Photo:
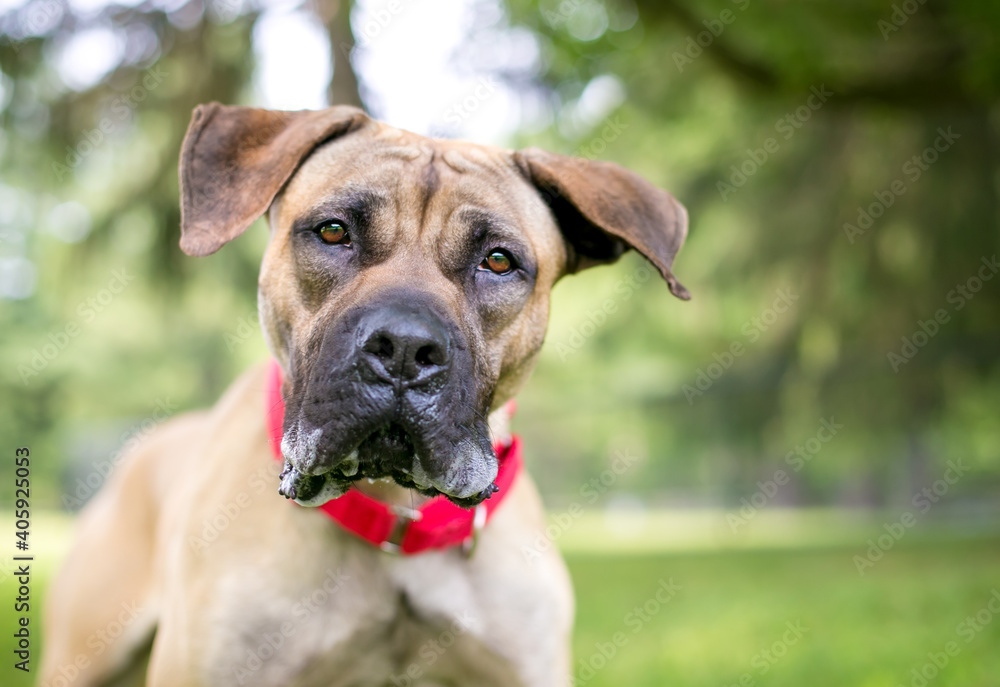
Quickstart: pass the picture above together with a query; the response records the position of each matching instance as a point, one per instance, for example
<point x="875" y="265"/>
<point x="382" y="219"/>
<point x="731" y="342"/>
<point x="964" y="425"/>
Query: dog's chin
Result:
<point x="388" y="452"/>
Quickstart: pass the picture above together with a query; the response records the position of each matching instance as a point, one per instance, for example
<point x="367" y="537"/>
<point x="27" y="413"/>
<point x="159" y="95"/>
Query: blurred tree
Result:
<point x="336" y="16"/>
<point x="839" y="163"/>
<point x="843" y="154"/>
<point x="89" y="172"/>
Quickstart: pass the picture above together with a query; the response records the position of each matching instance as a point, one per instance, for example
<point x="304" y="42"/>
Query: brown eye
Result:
<point x="334" y="233"/>
<point x="497" y="261"/>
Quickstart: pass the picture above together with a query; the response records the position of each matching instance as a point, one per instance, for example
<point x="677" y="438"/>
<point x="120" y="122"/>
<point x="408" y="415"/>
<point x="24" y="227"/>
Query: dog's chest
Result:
<point x="352" y="623"/>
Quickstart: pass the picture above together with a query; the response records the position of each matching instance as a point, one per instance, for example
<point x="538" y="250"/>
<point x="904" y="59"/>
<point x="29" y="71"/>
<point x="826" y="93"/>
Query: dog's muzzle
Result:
<point x="399" y="401"/>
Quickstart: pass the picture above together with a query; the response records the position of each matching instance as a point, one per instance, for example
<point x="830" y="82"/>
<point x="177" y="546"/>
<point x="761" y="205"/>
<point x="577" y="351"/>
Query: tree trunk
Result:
<point x="336" y="16"/>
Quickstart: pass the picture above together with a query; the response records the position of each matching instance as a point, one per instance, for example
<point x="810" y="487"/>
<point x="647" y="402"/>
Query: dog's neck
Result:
<point x="387" y="491"/>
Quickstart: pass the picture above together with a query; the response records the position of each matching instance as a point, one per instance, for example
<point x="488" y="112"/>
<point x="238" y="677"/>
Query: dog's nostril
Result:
<point x="380" y="346"/>
<point x="428" y="356"/>
<point x="400" y="346"/>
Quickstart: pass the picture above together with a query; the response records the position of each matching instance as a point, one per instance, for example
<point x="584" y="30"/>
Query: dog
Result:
<point x="404" y="295"/>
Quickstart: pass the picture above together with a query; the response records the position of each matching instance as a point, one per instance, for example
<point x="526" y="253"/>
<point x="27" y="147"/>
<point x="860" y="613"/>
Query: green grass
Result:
<point x="868" y="631"/>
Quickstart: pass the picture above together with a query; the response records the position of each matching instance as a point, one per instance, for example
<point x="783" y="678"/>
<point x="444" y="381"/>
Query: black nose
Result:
<point x="400" y="345"/>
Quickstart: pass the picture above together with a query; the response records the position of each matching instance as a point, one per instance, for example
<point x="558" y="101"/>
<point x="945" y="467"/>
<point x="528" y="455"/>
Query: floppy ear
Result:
<point x="235" y="160"/>
<point x="603" y="210"/>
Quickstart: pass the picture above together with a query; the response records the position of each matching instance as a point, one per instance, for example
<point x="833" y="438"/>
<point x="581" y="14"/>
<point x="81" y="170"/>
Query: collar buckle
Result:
<point x="478" y="522"/>
<point x="404" y="516"/>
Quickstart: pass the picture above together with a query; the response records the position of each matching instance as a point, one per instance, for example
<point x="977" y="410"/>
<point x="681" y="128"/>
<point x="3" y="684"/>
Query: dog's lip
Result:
<point x="319" y="481"/>
<point x="301" y="449"/>
<point x="389" y="449"/>
<point x="316" y="489"/>
<point x="313" y="491"/>
<point x="308" y="490"/>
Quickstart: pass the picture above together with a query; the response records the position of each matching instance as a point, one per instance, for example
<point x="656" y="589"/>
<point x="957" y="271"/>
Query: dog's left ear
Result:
<point x="235" y="160"/>
<point x="603" y="210"/>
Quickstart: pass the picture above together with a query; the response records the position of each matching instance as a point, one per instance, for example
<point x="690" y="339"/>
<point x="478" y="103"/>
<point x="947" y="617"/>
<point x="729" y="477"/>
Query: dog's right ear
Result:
<point x="235" y="160"/>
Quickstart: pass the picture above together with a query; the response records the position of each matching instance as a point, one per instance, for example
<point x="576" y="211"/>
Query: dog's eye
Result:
<point x="334" y="232"/>
<point x="498" y="262"/>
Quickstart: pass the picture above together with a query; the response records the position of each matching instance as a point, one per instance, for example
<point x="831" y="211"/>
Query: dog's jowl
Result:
<point x="375" y="503"/>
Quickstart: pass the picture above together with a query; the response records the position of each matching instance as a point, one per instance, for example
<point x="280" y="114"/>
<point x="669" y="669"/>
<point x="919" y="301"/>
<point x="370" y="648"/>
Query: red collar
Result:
<point x="438" y="524"/>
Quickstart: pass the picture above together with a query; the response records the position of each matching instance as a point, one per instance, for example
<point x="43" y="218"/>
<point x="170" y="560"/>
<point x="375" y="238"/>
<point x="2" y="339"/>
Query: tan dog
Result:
<point x="405" y="294"/>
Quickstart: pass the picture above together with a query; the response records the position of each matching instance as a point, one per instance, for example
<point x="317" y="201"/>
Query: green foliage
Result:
<point x="90" y="357"/>
<point x="779" y="131"/>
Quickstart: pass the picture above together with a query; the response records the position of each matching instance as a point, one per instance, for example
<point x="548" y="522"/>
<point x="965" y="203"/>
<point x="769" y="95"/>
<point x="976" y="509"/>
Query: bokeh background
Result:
<point x="759" y="446"/>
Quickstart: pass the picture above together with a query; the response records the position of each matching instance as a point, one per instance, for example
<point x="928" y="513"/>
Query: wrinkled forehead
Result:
<point x="424" y="185"/>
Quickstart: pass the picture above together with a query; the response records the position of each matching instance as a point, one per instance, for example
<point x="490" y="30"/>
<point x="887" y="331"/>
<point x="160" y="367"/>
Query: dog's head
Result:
<point x="405" y="288"/>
